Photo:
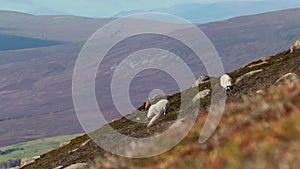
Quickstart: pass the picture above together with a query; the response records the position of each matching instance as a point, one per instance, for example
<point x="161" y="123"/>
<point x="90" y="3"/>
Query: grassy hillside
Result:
<point x="262" y="131"/>
<point x="256" y="130"/>
<point x="37" y="81"/>
<point x="26" y="151"/>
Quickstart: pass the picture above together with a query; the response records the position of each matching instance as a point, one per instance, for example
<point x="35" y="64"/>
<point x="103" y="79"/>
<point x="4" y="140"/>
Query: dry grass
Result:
<point x="255" y="132"/>
<point x="261" y="132"/>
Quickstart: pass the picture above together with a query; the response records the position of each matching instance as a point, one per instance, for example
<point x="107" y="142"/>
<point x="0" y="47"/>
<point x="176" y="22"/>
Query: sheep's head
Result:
<point x="165" y="111"/>
<point x="147" y="105"/>
<point x="229" y="88"/>
<point x="165" y="108"/>
<point x="153" y="100"/>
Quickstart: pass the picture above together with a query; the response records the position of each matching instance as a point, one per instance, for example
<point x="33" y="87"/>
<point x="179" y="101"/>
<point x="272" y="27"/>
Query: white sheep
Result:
<point x="156" y="110"/>
<point x="226" y="82"/>
<point x="297" y="43"/>
<point x="153" y="100"/>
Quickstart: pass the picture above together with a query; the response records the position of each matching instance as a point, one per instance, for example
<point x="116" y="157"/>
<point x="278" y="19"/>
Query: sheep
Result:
<point x="293" y="49"/>
<point x="297" y="43"/>
<point x="156" y="110"/>
<point x="226" y="82"/>
<point x="153" y="100"/>
<point x="148" y="104"/>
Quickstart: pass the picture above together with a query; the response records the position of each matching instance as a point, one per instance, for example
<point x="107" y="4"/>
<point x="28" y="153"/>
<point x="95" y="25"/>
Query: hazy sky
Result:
<point x="91" y="8"/>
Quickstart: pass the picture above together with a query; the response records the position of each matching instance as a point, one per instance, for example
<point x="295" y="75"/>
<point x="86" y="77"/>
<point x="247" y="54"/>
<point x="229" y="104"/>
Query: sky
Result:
<point x="90" y="8"/>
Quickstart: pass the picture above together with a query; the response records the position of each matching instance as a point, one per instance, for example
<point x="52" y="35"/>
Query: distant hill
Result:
<point x="204" y="13"/>
<point x="244" y="39"/>
<point x="9" y="42"/>
<point x="58" y="27"/>
<point x="45" y="11"/>
<point x="37" y="81"/>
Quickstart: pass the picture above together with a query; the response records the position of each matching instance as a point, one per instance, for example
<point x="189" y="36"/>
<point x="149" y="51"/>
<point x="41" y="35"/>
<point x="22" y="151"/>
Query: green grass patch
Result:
<point x="28" y="150"/>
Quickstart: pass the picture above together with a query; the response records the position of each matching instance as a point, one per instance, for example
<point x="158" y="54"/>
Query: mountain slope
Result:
<point x="37" y="81"/>
<point x="270" y="117"/>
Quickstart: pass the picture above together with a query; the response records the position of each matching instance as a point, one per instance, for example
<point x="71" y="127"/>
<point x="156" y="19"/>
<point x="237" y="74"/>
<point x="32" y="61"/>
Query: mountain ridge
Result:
<point x="205" y="13"/>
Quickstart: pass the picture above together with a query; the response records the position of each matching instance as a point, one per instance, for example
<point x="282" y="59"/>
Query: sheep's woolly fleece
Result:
<point x="155" y="111"/>
<point x="226" y="82"/>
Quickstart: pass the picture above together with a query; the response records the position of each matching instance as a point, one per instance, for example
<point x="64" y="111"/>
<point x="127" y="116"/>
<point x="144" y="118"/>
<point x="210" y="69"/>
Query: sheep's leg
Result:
<point x="165" y="111"/>
<point x="154" y="119"/>
<point x="151" y="114"/>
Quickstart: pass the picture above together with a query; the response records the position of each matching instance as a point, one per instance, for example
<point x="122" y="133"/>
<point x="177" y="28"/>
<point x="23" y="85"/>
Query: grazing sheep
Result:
<point x="156" y="110"/>
<point x="226" y="82"/>
<point x="153" y="100"/>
